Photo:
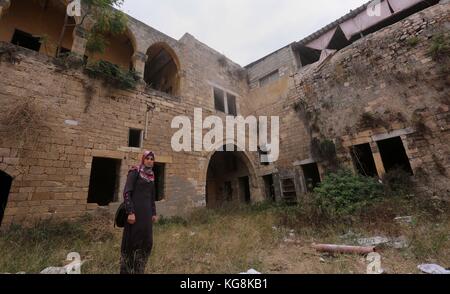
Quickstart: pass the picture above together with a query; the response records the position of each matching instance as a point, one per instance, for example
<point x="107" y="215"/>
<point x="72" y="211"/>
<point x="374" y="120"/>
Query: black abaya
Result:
<point x="137" y="240"/>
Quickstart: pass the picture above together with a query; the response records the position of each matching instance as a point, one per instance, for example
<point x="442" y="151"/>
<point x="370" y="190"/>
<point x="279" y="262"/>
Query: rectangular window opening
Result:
<point x="363" y="161"/>
<point x="394" y="155"/>
<point x="26" y="40"/>
<point x="231" y="99"/>
<point x="135" y="138"/>
<point x="104" y="181"/>
<point x="219" y="100"/>
<point x="312" y="176"/>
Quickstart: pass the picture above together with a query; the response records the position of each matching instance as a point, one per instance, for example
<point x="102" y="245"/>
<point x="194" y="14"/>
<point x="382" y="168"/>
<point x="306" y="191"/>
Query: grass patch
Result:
<point x="232" y="240"/>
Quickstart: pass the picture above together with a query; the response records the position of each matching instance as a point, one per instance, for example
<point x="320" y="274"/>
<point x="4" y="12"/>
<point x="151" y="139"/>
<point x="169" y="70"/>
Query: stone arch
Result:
<point x="119" y="51"/>
<point x="162" y="69"/>
<point x="35" y="25"/>
<point x="5" y="187"/>
<point x="227" y="170"/>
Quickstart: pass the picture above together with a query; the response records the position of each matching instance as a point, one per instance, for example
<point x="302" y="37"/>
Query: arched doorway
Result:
<point x="229" y="179"/>
<point x="161" y="69"/>
<point x="5" y="187"/>
<point x="37" y="25"/>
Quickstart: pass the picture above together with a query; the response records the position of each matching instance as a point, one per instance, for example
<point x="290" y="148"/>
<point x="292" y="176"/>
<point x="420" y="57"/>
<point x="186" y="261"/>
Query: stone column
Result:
<point x="139" y="59"/>
<point x="79" y="41"/>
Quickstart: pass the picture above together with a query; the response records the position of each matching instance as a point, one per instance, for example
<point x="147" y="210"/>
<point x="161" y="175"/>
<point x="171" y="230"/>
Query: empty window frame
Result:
<point x="273" y="76"/>
<point x="363" y="160"/>
<point x="135" y="138"/>
<point x="26" y="40"/>
<point x="394" y="155"/>
<point x="219" y="99"/>
<point x="225" y="102"/>
<point x="312" y="176"/>
<point x="231" y="102"/>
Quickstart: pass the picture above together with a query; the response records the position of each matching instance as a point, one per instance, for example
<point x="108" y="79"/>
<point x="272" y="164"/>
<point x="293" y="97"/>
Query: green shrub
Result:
<point x="413" y="41"/>
<point x="397" y="182"/>
<point x="440" y="47"/>
<point x="343" y="193"/>
<point x="112" y="75"/>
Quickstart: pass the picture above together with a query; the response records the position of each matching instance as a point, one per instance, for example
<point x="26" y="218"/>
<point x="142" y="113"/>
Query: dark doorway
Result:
<point x="103" y="185"/>
<point x="228" y="191"/>
<point x="269" y="188"/>
<point x="26" y="40"/>
<point x="289" y="192"/>
<point x="363" y="160"/>
<point x="312" y="176"/>
<point x="223" y="180"/>
<point x="394" y="155"/>
<point x="159" y="169"/>
<point x="244" y="187"/>
<point x="5" y="187"/>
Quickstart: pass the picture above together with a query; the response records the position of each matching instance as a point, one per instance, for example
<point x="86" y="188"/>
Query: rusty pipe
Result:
<point x="331" y="248"/>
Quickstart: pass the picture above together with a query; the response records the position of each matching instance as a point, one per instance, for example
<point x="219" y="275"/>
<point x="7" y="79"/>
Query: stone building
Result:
<point x="365" y="85"/>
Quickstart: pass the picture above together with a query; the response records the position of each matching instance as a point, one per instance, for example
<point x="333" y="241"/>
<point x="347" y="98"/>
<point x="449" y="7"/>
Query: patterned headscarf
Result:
<point x="146" y="173"/>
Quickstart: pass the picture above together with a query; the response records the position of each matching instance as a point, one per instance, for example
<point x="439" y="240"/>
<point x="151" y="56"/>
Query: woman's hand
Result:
<point x="132" y="219"/>
<point x="155" y="219"/>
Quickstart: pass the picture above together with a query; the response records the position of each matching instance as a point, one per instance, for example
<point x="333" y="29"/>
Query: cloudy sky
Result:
<point x="243" y="30"/>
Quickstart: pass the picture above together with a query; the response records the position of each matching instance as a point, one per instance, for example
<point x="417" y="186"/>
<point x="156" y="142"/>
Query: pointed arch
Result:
<point x="162" y="68"/>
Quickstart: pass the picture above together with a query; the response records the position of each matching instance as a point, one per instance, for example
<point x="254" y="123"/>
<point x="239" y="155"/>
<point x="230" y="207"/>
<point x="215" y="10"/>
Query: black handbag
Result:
<point x="121" y="217"/>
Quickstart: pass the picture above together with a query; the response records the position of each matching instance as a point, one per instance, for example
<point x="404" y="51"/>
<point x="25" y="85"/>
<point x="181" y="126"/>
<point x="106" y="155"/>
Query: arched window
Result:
<point x="161" y="69"/>
<point x="37" y="25"/>
<point x="119" y="51"/>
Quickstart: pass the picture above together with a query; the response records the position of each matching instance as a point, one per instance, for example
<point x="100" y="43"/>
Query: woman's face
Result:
<point x="149" y="161"/>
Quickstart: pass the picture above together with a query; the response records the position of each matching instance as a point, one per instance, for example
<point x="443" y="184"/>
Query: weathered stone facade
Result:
<point x="388" y="74"/>
<point x="383" y="74"/>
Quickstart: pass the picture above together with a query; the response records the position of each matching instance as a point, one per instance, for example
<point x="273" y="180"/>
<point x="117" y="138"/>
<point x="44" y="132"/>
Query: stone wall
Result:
<point x="81" y="118"/>
<point x="389" y="75"/>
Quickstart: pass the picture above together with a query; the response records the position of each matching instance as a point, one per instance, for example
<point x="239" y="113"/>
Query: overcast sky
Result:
<point x="243" y="30"/>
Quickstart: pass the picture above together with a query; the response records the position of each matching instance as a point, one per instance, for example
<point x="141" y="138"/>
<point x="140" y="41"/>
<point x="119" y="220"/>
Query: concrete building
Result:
<point x="366" y="86"/>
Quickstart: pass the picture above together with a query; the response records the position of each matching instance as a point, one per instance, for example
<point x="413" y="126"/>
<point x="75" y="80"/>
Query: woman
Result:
<point x="139" y="197"/>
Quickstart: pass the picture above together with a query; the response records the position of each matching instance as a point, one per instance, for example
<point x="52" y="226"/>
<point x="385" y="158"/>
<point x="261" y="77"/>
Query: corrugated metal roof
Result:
<point x="334" y="24"/>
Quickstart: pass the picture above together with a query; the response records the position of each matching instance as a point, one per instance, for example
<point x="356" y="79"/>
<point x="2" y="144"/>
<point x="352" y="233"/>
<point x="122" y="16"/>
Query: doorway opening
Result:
<point x="312" y="176"/>
<point x="104" y="181"/>
<point x="394" y="155"/>
<point x="5" y="187"/>
<point x="269" y="188"/>
<point x="244" y="189"/>
<point x="363" y="160"/>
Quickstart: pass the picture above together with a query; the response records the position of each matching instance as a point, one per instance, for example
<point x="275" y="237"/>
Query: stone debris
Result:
<point x="251" y="272"/>
<point x="433" y="269"/>
<point x="404" y="220"/>
<point x="378" y="241"/>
